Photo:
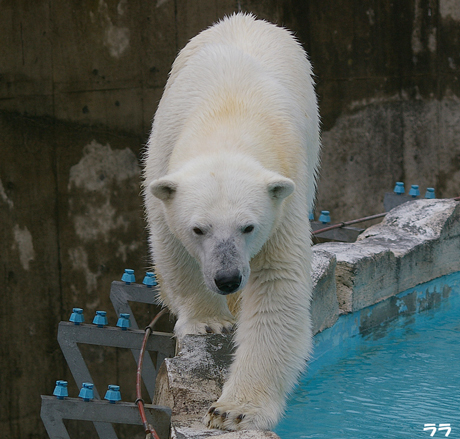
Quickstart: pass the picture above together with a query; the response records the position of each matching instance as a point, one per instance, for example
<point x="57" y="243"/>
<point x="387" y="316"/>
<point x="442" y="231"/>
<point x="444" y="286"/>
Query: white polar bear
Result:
<point x="229" y="181"/>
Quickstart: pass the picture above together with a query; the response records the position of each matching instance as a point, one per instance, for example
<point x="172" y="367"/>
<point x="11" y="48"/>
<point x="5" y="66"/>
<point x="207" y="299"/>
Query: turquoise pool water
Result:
<point x="388" y="382"/>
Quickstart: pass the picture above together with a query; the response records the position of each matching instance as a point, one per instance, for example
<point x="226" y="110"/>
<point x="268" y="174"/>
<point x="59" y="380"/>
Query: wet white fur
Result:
<point x="238" y="118"/>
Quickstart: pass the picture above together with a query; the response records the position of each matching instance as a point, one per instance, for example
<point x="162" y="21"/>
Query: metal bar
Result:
<point x="344" y="224"/>
<point x="336" y="232"/>
<point x="115" y="337"/>
<point x="391" y="200"/>
<point x="69" y="335"/>
<point x="54" y="411"/>
<point x="80" y="371"/>
<point x="120" y="295"/>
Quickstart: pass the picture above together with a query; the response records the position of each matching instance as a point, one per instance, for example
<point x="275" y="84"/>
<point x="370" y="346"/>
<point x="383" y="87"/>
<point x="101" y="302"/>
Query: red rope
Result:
<point x="139" y="401"/>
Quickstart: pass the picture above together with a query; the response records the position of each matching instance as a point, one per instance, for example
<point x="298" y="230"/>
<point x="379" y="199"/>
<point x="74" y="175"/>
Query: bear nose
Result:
<point x="228" y="283"/>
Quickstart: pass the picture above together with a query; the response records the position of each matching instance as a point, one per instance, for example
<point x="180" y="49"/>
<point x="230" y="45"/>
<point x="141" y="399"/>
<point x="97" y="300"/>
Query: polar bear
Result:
<point x="229" y="181"/>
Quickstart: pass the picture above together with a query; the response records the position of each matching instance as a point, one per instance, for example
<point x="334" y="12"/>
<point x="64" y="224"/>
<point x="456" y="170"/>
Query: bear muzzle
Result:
<point x="228" y="282"/>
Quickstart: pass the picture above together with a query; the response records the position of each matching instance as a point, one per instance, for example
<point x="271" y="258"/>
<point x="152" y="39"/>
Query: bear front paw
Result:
<point x="236" y="416"/>
<point x="210" y="326"/>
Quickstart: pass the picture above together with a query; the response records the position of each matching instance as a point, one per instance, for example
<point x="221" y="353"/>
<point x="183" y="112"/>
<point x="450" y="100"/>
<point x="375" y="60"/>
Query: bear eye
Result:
<point x="248" y="229"/>
<point x="198" y="231"/>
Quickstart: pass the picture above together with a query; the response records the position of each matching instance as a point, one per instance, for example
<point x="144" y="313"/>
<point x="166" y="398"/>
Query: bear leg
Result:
<point x="273" y="342"/>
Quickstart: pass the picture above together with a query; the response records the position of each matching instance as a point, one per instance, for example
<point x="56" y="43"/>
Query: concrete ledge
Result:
<point x="324" y="305"/>
<point x="196" y="433"/>
<point x="374" y="318"/>
<point x="417" y="242"/>
<point x="191" y="381"/>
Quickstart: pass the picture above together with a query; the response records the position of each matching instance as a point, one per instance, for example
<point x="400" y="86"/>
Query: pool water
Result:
<point x="386" y="383"/>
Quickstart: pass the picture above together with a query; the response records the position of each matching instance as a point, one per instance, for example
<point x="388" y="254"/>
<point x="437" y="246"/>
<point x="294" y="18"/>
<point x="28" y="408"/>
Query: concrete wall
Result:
<point x="79" y="84"/>
<point x="388" y="85"/>
<point x="71" y="221"/>
<point x="387" y="76"/>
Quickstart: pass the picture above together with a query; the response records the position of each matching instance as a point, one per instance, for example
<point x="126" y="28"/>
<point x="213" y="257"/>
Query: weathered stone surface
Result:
<point x="190" y="382"/>
<point x="415" y="243"/>
<point x="194" y="433"/>
<point x="324" y="305"/>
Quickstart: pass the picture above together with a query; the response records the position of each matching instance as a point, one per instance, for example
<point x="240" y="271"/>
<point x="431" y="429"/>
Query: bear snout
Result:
<point x="228" y="282"/>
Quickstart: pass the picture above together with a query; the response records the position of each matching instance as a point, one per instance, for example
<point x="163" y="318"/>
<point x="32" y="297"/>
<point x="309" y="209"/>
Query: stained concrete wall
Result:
<point x="71" y="221"/>
<point x="388" y="84"/>
<point x="387" y="76"/>
<point x="79" y="84"/>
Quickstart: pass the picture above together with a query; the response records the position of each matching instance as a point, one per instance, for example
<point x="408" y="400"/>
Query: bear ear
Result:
<point x="163" y="188"/>
<point x="280" y="187"/>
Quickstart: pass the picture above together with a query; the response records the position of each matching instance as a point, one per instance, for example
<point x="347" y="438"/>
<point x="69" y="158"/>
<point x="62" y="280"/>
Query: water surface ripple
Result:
<point x="387" y="384"/>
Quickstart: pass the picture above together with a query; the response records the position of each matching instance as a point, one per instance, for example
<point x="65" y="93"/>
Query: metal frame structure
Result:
<point x="102" y="413"/>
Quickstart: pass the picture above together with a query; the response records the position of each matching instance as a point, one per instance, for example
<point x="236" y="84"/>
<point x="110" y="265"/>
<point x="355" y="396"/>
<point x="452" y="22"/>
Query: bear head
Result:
<point x="223" y="209"/>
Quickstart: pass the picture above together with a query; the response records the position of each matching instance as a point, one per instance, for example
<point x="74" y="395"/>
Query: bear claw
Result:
<point x="208" y="326"/>
<point x="238" y="415"/>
